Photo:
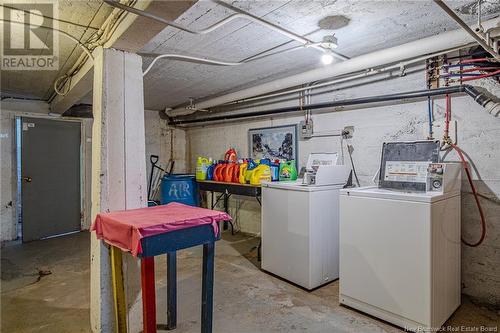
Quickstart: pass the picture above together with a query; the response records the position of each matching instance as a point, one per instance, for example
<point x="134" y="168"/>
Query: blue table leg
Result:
<point x="171" y="290"/>
<point x="207" y="288"/>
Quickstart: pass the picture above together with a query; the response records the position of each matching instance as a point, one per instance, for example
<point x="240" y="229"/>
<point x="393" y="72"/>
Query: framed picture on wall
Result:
<point x="279" y="142"/>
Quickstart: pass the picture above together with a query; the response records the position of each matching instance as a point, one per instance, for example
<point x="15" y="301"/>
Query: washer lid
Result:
<point x="381" y="193"/>
<point x="298" y="186"/>
<point x="316" y="160"/>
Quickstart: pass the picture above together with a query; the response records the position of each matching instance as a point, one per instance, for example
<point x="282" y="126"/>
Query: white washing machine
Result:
<point x="300" y="232"/>
<point x="400" y="253"/>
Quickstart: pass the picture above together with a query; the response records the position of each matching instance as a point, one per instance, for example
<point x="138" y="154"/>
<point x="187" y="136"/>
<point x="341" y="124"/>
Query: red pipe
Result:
<point x="447" y="117"/>
<point x="476" y="69"/>
<point x="481" y="76"/>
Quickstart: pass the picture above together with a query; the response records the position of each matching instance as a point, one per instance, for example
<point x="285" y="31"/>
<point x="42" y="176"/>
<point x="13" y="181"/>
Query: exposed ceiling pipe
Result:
<point x="207" y="61"/>
<point x="480" y="98"/>
<point x="485" y="45"/>
<point x="241" y="15"/>
<point x="421" y="47"/>
<point x="370" y="72"/>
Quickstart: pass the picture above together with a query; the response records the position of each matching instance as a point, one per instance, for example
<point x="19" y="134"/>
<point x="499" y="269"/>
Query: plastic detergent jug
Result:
<point x="236" y="173"/>
<point x="230" y="155"/>
<point x="248" y="172"/>
<point x="243" y="169"/>
<point x="275" y="170"/>
<point x="201" y="168"/>
<point x="218" y="171"/>
<point x="227" y="173"/>
<point x="288" y="171"/>
<point x="210" y="171"/>
<point x="261" y="173"/>
<point x="265" y="161"/>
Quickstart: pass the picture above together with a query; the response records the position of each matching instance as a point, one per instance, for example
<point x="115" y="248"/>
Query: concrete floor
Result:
<point x="45" y="288"/>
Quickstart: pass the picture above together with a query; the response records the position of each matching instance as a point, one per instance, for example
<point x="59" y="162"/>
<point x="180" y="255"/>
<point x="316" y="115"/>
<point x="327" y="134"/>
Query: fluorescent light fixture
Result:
<point x="327" y="58"/>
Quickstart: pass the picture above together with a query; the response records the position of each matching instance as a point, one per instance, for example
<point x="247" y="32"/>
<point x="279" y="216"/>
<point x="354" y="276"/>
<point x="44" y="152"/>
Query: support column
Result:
<point x="118" y="174"/>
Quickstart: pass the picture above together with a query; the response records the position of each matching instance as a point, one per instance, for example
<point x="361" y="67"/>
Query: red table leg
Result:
<point x="148" y="294"/>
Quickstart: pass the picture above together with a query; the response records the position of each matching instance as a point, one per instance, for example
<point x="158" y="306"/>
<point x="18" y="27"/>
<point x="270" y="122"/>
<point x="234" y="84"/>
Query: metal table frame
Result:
<point x="226" y="190"/>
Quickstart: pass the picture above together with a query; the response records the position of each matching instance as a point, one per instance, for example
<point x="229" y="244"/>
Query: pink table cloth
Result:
<point x="125" y="229"/>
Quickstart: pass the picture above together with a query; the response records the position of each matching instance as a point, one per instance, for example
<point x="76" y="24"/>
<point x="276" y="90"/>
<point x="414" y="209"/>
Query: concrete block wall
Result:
<point x="7" y="177"/>
<point x="164" y="141"/>
<point x="478" y="135"/>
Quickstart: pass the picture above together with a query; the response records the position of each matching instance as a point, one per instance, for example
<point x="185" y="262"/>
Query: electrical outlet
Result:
<point x="348" y="132"/>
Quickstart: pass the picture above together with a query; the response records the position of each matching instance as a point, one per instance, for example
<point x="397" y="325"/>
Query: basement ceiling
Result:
<point x="362" y="27"/>
<point x="371" y="26"/>
<point x="89" y="15"/>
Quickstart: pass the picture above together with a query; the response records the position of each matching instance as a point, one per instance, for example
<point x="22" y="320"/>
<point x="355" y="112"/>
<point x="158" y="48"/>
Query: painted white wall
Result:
<point x="164" y="141"/>
<point x="478" y="135"/>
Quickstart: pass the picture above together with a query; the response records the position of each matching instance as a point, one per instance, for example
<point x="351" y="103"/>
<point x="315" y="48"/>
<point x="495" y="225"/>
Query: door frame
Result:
<point x="84" y="166"/>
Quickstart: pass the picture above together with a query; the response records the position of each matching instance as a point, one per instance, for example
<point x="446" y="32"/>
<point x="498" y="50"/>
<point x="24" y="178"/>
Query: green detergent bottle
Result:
<point x="201" y="168"/>
<point x="288" y="171"/>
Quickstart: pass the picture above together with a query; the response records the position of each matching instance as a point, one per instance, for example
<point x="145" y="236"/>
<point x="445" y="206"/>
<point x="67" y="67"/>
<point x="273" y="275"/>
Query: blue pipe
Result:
<point x="463" y="74"/>
<point x="429" y="109"/>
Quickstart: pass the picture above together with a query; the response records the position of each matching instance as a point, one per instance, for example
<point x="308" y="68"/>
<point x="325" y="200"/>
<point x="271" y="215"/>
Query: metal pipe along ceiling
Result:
<point x="418" y="48"/>
<point x="214" y="62"/>
<point x="479" y="97"/>
<point x="474" y="35"/>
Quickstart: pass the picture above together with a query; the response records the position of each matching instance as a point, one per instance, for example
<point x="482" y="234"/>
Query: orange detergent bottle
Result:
<point x="230" y="155"/>
<point x="218" y="171"/>
<point x="227" y="173"/>
<point x="236" y="173"/>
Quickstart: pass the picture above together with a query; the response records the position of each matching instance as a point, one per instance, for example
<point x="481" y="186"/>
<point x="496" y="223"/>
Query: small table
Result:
<point x="148" y="232"/>
<point x="227" y="189"/>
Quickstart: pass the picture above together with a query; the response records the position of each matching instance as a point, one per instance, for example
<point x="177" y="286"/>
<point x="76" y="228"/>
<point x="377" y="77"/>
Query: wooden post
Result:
<point x="118" y="290"/>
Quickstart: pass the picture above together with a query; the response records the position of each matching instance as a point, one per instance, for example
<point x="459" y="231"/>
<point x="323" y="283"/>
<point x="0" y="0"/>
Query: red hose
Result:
<point x="481" y="76"/>
<point x="476" y="197"/>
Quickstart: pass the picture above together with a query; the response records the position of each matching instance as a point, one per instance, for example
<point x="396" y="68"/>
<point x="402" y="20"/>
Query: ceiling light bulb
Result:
<point x="329" y="42"/>
<point x="326" y="59"/>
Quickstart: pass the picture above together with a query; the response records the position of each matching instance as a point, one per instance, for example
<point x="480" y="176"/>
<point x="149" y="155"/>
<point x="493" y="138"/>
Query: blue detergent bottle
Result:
<point x="210" y="170"/>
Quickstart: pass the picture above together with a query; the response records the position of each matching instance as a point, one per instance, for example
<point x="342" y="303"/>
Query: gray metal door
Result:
<point x="50" y="163"/>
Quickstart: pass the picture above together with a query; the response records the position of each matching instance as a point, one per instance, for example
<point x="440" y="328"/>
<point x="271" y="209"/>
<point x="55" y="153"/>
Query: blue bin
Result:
<point x="179" y="188"/>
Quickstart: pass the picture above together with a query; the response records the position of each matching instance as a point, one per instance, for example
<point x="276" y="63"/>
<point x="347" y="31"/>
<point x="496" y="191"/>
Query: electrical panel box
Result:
<point x="404" y="164"/>
<point x="306" y="129"/>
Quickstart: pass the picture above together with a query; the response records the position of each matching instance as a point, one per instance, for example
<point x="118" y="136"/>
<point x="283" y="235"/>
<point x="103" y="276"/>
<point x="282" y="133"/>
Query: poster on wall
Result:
<point x="279" y="142"/>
